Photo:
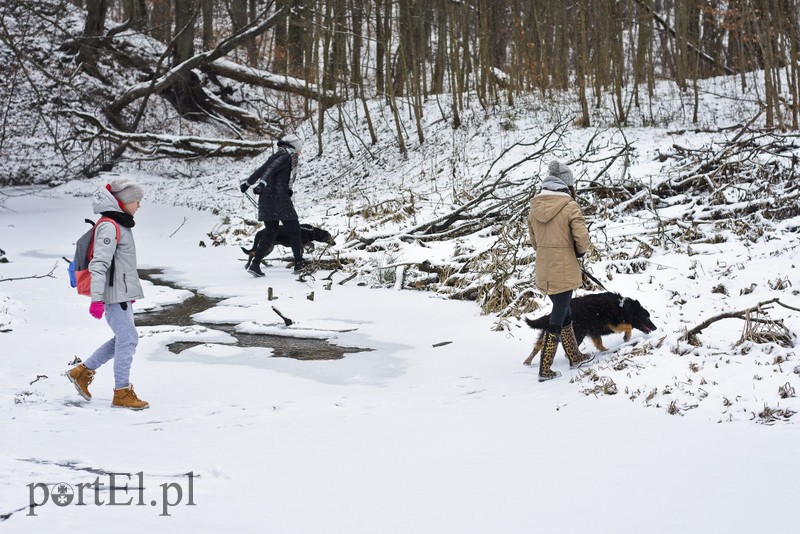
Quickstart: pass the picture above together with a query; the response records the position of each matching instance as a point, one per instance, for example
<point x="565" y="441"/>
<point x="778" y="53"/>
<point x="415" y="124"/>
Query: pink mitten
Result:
<point x="96" y="309"/>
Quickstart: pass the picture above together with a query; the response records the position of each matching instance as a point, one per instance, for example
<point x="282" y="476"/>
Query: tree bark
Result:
<point x="93" y="30"/>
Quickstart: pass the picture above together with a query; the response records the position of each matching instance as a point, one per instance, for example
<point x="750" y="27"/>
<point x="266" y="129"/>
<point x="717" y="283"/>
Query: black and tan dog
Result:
<point x="308" y="235"/>
<point x="597" y="315"/>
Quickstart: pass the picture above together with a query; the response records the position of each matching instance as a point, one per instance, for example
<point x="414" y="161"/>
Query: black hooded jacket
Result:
<point x="274" y="202"/>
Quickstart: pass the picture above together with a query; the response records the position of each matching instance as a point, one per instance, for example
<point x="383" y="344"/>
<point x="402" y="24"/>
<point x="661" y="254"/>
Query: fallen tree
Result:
<point x="175" y="145"/>
<point x="178" y="73"/>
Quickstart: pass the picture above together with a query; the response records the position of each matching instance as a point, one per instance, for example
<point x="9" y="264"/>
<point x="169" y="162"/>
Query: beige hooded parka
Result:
<point x="558" y="235"/>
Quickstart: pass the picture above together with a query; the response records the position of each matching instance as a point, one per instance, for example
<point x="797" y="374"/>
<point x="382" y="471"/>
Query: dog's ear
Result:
<point x="633" y="309"/>
<point x="629" y="307"/>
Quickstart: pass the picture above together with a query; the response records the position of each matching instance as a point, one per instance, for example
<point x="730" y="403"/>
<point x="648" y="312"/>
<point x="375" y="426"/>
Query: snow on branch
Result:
<point x="178" y="145"/>
<point x="261" y="78"/>
<point x="180" y="71"/>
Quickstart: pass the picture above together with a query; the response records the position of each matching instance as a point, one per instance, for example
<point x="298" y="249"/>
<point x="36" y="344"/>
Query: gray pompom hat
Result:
<point x="562" y="172"/>
<point x="292" y="141"/>
<point x="126" y="190"/>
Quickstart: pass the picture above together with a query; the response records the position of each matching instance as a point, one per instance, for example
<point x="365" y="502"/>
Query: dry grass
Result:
<point x="770" y="416"/>
<point x="602" y="384"/>
<point x="786" y="391"/>
<point x="761" y="330"/>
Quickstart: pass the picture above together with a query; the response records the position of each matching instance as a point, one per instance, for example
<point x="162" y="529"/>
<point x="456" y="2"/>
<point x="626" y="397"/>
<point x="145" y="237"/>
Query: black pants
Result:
<point x="292" y="228"/>
<point x="562" y="312"/>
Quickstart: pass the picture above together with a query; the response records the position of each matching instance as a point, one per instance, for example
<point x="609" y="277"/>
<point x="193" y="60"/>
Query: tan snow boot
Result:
<point x="570" y="344"/>
<point x="81" y="377"/>
<point x="126" y="398"/>
<point x="548" y="355"/>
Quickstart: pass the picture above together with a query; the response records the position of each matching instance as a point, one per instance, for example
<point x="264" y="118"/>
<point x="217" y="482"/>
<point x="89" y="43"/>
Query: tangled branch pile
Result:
<point x="754" y="175"/>
<point x="749" y="178"/>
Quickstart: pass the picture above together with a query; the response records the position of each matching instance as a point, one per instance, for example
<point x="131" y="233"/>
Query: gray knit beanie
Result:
<point x="126" y="190"/>
<point x="562" y="172"/>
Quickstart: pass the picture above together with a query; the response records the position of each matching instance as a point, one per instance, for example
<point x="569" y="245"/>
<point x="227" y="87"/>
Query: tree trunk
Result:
<point x="185" y="16"/>
<point x="440" y="57"/>
<point x="357" y="18"/>
<point x="581" y="65"/>
<point x="207" y="9"/>
<point x="93" y="30"/>
<point x="136" y="12"/>
<point x="279" y="52"/>
<point x="298" y="32"/>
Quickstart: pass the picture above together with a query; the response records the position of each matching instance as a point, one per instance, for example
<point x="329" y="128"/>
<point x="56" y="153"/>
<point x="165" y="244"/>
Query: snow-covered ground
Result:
<point x="407" y="437"/>
<point x="415" y="435"/>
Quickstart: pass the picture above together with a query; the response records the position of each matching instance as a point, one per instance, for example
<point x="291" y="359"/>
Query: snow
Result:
<point x="408" y="436"/>
<point x="412" y="435"/>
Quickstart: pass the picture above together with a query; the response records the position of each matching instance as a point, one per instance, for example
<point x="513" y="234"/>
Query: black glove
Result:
<point x="258" y="189"/>
<point x="290" y="192"/>
<point x="244" y="187"/>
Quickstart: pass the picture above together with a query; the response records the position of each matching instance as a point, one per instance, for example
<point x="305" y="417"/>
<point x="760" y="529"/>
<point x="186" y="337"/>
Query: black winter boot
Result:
<point x="255" y="265"/>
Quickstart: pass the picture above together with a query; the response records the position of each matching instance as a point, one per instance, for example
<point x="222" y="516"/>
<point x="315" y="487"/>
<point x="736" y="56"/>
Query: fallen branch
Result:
<point x="48" y="275"/>
<point x="691" y="335"/>
<point x="261" y="78"/>
<point x="343" y="282"/>
<point x="181" y="71"/>
<point x="174" y="144"/>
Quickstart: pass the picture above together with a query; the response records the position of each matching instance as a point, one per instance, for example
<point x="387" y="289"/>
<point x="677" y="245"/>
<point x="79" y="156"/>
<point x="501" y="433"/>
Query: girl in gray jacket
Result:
<point x="115" y="287"/>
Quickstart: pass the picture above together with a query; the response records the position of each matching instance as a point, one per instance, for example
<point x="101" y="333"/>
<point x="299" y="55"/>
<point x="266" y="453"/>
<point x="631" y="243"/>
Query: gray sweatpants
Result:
<point x="121" y="347"/>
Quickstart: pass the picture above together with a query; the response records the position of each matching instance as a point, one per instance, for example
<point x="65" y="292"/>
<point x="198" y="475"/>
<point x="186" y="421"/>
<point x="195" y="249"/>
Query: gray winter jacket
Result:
<point x="126" y="285"/>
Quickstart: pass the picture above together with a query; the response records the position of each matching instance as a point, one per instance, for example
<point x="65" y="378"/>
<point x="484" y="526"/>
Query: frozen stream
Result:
<point x="181" y="315"/>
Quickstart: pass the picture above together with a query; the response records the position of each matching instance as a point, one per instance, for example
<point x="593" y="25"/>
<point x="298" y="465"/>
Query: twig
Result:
<point x="48" y="275"/>
<point x="343" y="282"/>
<point x="786" y="305"/>
<point x="179" y="227"/>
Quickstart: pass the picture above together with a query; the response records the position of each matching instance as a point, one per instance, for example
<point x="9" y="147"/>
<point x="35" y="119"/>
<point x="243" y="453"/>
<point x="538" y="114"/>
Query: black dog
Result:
<point x="598" y="315"/>
<point x="308" y="234"/>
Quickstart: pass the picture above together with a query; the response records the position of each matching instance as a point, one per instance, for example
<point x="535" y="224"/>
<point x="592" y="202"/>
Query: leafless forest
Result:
<point x="306" y="57"/>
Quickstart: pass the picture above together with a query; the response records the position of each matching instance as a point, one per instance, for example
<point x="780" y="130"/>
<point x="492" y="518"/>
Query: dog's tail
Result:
<point x="540" y="323"/>
<point x="248" y="251"/>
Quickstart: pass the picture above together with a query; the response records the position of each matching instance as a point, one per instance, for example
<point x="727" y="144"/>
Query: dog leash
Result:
<point x="592" y="278"/>
<point x="253" y="202"/>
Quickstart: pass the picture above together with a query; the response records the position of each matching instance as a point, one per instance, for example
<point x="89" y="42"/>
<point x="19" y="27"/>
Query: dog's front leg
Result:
<point x="623" y="327"/>
<point x="598" y="343"/>
<point x="536" y="348"/>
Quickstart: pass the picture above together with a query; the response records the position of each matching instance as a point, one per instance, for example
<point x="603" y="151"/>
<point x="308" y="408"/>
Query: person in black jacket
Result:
<point x="273" y="184"/>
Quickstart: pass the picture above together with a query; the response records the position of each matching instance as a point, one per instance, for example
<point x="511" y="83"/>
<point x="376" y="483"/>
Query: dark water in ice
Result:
<point x="181" y="315"/>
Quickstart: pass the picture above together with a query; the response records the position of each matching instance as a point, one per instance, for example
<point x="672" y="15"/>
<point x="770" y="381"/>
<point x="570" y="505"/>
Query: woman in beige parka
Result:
<point x="559" y="237"/>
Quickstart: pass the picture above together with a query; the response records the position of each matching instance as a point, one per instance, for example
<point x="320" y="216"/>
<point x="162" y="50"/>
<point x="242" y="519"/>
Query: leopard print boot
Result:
<point x="570" y="344"/>
<point x="549" y="354"/>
